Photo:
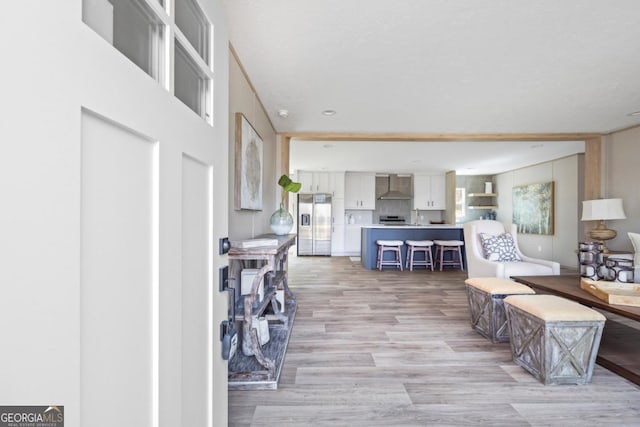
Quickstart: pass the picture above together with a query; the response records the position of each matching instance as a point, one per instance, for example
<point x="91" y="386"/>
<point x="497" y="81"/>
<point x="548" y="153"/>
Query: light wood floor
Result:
<point x="390" y="348"/>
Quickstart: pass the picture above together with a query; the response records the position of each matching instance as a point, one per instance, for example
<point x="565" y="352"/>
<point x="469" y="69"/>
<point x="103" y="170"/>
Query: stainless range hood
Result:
<point x="399" y="188"/>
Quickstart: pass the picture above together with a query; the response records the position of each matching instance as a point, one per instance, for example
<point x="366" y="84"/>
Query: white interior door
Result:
<point x="124" y="312"/>
<point x="114" y="194"/>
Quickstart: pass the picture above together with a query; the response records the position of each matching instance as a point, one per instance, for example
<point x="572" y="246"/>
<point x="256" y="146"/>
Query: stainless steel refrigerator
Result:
<point x="314" y="224"/>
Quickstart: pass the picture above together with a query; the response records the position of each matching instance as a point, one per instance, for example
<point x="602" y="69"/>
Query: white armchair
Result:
<point x="478" y="266"/>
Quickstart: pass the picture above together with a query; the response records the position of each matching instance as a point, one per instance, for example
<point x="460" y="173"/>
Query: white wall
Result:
<point x="58" y="66"/>
<point x="621" y="177"/>
<point x="245" y="223"/>
<point x="562" y="244"/>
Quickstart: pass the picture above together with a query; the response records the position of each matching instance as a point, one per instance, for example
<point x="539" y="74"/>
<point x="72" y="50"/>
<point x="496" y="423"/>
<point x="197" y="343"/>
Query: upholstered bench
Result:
<point x="488" y="316"/>
<point x="555" y="339"/>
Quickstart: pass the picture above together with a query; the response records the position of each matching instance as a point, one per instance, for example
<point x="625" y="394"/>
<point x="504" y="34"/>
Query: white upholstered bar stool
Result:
<point x="414" y="246"/>
<point x="453" y="246"/>
<point x="392" y="246"/>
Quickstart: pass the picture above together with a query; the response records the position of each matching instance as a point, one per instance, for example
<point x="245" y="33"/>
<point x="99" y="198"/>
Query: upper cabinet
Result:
<point x="360" y="190"/>
<point x="429" y="191"/>
<point x="322" y="182"/>
<point x="336" y="183"/>
<point x="306" y="179"/>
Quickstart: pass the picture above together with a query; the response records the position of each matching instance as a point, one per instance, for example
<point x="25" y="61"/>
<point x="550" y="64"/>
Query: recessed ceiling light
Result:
<point x="635" y="113"/>
<point x="283" y="113"/>
<point x="329" y="112"/>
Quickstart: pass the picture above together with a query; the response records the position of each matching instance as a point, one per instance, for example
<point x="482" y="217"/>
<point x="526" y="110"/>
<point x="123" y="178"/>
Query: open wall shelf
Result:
<point x="482" y="195"/>
<point x="476" y="207"/>
<point x="482" y="207"/>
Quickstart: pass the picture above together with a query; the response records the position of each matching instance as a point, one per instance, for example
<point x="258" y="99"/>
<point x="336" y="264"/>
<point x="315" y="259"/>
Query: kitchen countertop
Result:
<point x="446" y="226"/>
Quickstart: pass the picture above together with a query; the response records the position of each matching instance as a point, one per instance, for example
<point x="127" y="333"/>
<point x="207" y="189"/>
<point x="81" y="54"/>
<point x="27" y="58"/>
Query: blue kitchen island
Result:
<point x="371" y="233"/>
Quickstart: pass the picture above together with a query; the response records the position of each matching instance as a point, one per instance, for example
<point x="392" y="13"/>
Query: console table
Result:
<point x="262" y="369"/>
<point x="620" y="345"/>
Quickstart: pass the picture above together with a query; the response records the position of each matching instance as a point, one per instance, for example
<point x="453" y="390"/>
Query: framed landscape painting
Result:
<point x="533" y="208"/>
<point x="248" y="171"/>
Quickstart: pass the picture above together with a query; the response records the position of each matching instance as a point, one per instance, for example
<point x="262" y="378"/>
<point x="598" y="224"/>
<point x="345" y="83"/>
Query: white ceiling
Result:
<point x="442" y="66"/>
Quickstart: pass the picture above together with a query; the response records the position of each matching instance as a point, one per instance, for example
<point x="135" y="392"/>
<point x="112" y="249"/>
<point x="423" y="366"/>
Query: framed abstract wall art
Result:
<point x="533" y="208"/>
<point x="248" y="167"/>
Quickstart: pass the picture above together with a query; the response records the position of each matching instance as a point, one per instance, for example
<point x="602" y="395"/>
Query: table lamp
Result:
<point x="602" y="210"/>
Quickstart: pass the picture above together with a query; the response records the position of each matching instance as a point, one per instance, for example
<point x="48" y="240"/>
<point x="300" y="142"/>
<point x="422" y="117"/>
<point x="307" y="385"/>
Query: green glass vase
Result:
<point x="281" y="221"/>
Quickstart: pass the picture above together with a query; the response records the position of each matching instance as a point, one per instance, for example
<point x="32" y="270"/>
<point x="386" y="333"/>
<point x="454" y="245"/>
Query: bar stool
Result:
<point x="414" y="246"/>
<point x="393" y="246"/>
<point x="452" y="246"/>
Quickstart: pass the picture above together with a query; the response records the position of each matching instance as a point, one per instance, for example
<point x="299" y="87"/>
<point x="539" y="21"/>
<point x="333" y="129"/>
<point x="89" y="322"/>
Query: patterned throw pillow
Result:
<point x="499" y="248"/>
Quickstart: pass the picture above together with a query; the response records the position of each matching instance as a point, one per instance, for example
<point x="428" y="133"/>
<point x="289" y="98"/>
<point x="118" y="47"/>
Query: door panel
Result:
<point x="197" y="331"/>
<point x="119" y="274"/>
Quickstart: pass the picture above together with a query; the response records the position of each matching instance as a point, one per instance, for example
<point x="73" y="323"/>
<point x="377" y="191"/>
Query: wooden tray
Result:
<point x="613" y="292"/>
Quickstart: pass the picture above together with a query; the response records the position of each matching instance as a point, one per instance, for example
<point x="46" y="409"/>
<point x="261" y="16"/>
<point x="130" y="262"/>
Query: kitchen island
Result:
<point x="371" y="233"/>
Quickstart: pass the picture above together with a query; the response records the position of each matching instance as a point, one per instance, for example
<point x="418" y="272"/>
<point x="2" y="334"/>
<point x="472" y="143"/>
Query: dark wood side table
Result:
<point x="620" y="345"/>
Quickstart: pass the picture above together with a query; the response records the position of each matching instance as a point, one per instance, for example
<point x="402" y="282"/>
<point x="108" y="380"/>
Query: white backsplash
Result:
<point x="358" y="217"/>
<point x="404" y="208"/>
<point x="425" y="217"/>
<point x="392" y="207"/>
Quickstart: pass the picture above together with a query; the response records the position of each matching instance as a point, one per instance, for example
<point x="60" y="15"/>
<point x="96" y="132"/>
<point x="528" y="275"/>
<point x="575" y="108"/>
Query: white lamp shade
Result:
<point x="602" y="209"/>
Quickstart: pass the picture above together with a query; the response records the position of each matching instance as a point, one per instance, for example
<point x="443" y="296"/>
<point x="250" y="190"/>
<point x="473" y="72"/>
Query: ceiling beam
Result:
<point x="422" y="137"/>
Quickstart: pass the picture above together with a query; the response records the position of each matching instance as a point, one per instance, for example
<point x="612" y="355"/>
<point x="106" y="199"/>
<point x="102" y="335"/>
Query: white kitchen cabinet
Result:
<point x="337" y="240"/>
<point x="322" y="182"/>
<point x="429" y="191"/>
<point x="352" y="237"/>
<point x="337" y="211"/>
<point x="337" y="227"/>
<point x="336" y="183"/>
<point x="438" y="192"/>
<point x="360" y="191"/>
<point x="306" y="179"/>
